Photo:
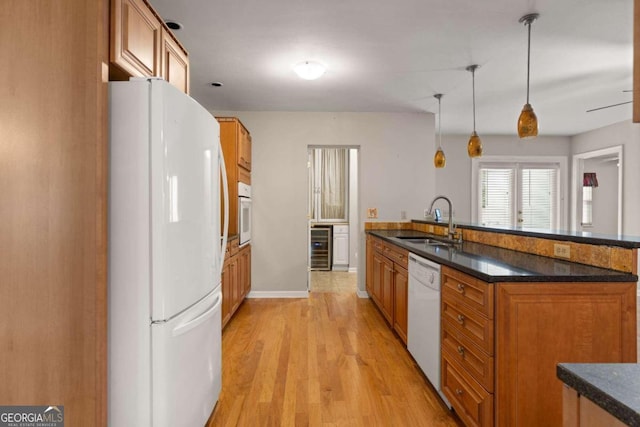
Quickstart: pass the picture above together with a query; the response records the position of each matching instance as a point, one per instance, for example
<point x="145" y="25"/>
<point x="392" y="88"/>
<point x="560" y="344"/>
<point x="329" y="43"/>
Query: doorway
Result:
<point x="332" y="219"/>
<point x="596" y="197"/>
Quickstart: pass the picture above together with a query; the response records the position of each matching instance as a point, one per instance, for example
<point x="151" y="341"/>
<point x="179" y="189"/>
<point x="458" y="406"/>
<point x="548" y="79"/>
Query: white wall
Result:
<point x="454" y="180"/>
<point x="604" y="208"/>
<point x="396" y="174"/>
<point x="626" y="134"/>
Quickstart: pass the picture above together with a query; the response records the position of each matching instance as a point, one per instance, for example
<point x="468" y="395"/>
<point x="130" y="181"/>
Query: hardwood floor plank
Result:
<point x="329" y="360"/>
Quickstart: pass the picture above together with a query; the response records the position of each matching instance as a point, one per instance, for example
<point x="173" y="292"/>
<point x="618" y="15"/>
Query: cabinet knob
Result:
<point x="461" y="350"/>
<point x="461" y="288"/>
<point x="459" y="392"/>
<point x="461" y="319"/>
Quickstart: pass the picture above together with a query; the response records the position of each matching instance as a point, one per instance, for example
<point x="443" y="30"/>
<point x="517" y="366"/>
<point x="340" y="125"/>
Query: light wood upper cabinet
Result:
<point x="244" y="148"/>
<point x="142" y="45"/>
<point x="174" y="63"/>
<point x="136" y="34"/>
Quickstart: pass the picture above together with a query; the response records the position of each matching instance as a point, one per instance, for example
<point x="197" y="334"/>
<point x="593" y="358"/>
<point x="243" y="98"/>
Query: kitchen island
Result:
<point x="601" y="393"/>
<point x="509" y="317"/>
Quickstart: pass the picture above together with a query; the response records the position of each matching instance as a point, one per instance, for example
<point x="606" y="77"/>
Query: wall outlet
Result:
<point x="403" y="214"/>
<point x="372" y="213"/>
<point x="562" y="251"/>
<point x="430" y="229"/>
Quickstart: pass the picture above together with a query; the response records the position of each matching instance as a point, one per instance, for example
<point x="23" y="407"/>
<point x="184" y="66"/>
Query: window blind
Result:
<point x="539" y="198"/>
<point x="496" y="199"/>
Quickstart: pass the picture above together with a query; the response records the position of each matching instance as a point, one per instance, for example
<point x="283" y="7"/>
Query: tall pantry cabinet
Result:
<point x="236" y="273"/>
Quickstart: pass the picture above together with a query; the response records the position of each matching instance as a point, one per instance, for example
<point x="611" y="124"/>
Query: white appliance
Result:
<point x="244" y="212"/>
<point x="164" y="257"/>
<point x="423" y="327"/>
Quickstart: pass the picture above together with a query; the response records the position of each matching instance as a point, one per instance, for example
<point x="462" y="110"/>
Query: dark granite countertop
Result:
<point x="621" y="241"/>
<point x="615" y="387"/>
<point x="493" y="264"/>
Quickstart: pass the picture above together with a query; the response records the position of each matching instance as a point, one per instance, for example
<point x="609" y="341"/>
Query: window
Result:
<point x="587" y="206"/>
<point x="510" y="193"/>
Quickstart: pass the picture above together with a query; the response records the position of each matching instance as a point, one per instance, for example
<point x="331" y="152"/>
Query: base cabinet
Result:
<point x="236" y="279"/>
<point x="501" y="343"/>
<point x="578" y="411"/>
<point x="387" y="282"/>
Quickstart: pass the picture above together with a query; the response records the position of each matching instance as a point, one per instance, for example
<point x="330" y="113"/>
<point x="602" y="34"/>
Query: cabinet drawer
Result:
<point x="473" y="292"/>
<point x="468" y="356"/>
<point x="470" y="323"/>
<point x="397" y="255"/>
<point x="340" y="229"/>
<point x="473" y="404"/>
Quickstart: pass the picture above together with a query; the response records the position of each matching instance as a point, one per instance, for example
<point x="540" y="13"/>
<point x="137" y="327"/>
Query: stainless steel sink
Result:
<point x="427" y="241"/>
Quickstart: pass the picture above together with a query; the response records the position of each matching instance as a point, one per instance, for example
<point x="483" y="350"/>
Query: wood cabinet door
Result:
<point x="542" y="324"/>
<point x="235" y="284"/>
<point x="387" y="289"/>
<point x="377" y="278"/>
<point x="229" y="151"/>
<point x="227" y="293"/>
<point x="400" y="302"/>
<point x="369" y="268"/>
<point x="174" y="63"/>
<point x="136" y="34"/>
<point x="244" y="268"/>
<point x="244" y="148"/>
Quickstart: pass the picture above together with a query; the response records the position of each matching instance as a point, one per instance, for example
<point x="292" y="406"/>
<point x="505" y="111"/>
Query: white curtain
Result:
<point x="333" y="183"/>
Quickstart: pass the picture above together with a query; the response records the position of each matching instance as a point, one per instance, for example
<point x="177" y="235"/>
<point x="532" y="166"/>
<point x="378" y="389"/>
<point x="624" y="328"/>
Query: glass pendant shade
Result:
<point x="527" y="123"/>
<point x="474" y="147"/>
<point x="439" y="160"/>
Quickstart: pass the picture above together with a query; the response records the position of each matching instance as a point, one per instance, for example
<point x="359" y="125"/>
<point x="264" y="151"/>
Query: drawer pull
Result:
<point x="459" y="392"/>
<point x="461" y="288"/>
<point x="461" y="350"/>
<point x="461" y="319"/>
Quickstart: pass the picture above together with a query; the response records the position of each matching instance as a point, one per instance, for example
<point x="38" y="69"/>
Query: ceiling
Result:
<point x="386" y="56"/>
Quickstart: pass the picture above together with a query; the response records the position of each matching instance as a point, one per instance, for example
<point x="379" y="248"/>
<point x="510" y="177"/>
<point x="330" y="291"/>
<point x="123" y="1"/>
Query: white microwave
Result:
<point x="244" y="212"/>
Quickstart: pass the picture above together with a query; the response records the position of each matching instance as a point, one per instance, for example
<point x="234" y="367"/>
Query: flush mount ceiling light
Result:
<point x="474" y="146"/>
<point x="309" y="70"/>
<point x="528" y="122"/>
<point x="439" y="160"/>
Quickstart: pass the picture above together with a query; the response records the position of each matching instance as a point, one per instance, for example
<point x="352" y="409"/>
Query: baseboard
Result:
<point x="278" y="294"/>
<point x="362" y="294"/>
<point x="353" y="269"/>
<point x="340" y="268"/>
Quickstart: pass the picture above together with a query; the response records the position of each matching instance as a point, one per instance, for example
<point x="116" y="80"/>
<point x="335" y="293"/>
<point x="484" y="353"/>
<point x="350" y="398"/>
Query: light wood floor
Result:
<point x="334" y="281"/>
<point x="329" y="360"/>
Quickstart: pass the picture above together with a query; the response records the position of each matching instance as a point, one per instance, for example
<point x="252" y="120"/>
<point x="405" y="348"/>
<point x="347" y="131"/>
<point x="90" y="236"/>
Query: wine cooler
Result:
<point x="321" y="247"/>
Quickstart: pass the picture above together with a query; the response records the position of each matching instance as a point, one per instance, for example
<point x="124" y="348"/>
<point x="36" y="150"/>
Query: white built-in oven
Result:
<point x="244" y="212"/>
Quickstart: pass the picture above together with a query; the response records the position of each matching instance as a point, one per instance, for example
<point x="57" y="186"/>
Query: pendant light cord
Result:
<point x="528" y="58"/>
<point x="473" y="86"/>
<point x="439" y="125"/>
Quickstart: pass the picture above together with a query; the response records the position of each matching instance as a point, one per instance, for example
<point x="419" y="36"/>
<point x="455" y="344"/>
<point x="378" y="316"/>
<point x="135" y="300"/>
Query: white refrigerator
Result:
<point x="165" y="257"/>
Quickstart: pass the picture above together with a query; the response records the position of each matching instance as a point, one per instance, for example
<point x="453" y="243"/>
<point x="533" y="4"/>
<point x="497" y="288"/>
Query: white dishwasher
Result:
<point x="423" y="334"/>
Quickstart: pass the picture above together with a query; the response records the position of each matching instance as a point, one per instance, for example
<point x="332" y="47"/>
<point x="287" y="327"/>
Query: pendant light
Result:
<point x="439" y="160"/>
<point x="528" y="122"/>
<point x="474" y="147"/>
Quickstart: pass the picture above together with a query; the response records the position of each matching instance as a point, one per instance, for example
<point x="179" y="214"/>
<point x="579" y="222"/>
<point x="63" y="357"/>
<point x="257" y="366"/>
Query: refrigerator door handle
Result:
<point x="186" y="327"/>
<point x="223" y="170"/>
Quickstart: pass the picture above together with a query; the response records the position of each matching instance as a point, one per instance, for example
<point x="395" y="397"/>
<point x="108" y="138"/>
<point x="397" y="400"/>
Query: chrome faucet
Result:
<point x="452" y="227"/>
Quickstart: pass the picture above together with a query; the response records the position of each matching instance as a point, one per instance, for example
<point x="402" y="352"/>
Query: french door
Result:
<point x="511" y="193"/>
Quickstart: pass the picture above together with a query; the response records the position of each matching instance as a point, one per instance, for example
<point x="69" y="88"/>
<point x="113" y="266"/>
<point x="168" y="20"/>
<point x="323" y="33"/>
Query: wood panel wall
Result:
<point x="53" y="164"/>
